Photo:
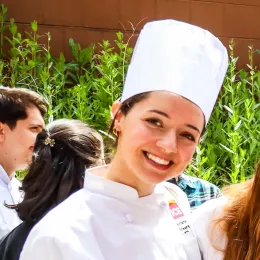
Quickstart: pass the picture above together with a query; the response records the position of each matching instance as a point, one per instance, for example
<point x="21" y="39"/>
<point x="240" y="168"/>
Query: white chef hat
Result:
<point x="178" y="57"/>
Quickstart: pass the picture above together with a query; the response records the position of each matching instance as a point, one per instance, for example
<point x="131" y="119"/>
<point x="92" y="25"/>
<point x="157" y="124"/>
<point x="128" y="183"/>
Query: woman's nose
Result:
<point x="168" y="143"/>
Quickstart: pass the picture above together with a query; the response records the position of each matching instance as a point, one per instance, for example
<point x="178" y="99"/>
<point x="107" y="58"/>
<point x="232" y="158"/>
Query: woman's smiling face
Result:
<point x="158" y="136"/>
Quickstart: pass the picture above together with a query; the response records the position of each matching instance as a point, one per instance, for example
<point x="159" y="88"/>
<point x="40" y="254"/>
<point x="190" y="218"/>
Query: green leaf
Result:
<point x="226" y="148"/>
<point x="238" y="125"/>
<point x="14" y="52"/>
<point x="228" y="109"/>
<point x="31" y="63"/>
<point x="75" y="48"/>
<point x="57" y="108"/>
<point x="13" y="27"/>
<point x="34" y="26"/>
<point x="85" y="56"/>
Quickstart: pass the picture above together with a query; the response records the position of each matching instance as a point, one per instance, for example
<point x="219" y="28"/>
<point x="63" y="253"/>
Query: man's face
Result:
<point x="16" y="145"/>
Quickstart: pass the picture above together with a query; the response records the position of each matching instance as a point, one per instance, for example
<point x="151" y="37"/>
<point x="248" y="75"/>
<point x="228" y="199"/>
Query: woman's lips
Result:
<point x="160" y="167"/>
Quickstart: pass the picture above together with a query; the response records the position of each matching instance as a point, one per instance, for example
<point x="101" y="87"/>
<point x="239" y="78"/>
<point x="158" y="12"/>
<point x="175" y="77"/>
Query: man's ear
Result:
<point x="2" y="132"/>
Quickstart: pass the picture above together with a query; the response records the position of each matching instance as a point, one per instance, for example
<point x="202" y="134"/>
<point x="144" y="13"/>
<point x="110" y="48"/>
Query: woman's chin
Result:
<point x="154" y="178"/>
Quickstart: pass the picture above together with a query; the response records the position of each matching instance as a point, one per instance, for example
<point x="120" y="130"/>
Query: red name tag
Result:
<point x="175" y="210"/>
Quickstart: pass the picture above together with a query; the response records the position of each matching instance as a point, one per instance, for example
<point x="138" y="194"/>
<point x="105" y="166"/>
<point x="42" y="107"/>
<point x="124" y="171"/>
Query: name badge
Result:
<point x="175" y="210"/>
<point x="180" y="219"/>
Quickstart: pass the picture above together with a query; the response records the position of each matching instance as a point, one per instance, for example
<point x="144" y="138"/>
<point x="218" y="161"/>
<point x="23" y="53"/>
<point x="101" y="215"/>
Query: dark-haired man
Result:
<point x="21" y="119"/>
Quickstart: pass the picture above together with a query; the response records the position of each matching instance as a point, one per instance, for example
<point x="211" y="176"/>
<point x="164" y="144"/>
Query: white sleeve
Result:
<point x="46" y="242"/>
<point x="48" y="248"/>
<point x="40" y="248"/>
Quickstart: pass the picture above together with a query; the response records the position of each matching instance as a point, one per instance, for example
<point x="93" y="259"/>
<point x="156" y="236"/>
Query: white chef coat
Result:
<point x="177" y="194"/>
<point x="202" y="221"/>
<point x="9" y="194"/>
<point x="107" y="220"/>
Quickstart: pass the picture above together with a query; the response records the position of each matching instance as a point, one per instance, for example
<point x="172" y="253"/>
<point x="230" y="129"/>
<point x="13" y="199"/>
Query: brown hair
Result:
<point x="14" y="103"/>
<point x="126" y="106"/>
<point x="241" y="220"/>
<point x="58" y="166"/>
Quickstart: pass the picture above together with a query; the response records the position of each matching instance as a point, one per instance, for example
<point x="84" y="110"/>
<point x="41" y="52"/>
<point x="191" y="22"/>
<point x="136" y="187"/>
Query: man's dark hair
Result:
<point x="14" y="103"/>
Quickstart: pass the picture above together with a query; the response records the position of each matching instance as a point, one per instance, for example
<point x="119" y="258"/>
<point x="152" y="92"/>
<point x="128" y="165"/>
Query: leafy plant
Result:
<point x="231" y="145"/>
<point x="85" y="87"/>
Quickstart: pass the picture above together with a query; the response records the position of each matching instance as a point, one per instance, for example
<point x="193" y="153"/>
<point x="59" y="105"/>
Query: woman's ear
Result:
<point x="117" y="116"/>
<point x="115" y="108"/>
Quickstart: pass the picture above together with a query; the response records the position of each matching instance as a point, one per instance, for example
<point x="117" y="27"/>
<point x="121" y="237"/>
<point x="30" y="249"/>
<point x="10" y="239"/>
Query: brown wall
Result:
<point x="91" y="21"/>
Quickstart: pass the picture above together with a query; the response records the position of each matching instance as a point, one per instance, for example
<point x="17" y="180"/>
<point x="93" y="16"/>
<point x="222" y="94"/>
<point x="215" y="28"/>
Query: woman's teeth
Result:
<point x="157" y="159"/>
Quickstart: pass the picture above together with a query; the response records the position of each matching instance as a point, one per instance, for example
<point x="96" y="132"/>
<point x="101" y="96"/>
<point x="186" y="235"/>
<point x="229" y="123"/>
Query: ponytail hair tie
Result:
<point x="49" y="141"/>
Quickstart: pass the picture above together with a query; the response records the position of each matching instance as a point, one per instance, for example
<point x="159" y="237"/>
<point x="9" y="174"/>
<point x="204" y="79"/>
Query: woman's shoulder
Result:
<point x="59" y="219"/>
<point x="205" y="215"/>
<point x="68" y="208"/>
<point x="211" y="208"/>
<point x="203" y="221"/>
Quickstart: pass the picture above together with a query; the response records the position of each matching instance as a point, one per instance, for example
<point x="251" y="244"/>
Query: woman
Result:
<point x="62" y="153"/>
<point x="229" y="228"/>
<point x="171" y="86"/>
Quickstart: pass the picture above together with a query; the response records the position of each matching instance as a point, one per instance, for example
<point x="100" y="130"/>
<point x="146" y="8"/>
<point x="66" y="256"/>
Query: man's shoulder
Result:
<point x="198" y="190"/>
<point x="198" y="183"/>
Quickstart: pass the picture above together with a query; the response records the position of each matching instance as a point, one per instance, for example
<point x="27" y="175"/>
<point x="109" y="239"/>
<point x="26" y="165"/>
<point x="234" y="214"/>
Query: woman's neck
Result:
<point x="118" y="172"/>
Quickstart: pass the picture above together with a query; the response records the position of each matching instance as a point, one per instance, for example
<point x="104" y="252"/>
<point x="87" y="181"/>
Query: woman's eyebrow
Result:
<point x="165" y="115"/>
<point x="159" y="112"/>
<point x="193" y="127"/>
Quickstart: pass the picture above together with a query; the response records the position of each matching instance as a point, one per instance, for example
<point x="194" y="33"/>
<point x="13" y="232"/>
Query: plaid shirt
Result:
<point x="197" y="190"/>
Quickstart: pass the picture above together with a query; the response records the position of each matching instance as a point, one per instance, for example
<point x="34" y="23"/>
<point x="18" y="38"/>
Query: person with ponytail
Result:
<point x="62" y="153"/>
<point x="228" y="228"/>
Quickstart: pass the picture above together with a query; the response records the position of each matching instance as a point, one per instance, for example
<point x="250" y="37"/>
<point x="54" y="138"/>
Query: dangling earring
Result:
<point x="2" y="134"/>
<point x="115" y="132"/>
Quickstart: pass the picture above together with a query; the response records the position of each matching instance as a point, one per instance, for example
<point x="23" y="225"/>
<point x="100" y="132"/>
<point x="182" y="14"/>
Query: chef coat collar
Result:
<point x="3" y="176"/>
<point x="118" y="190"/>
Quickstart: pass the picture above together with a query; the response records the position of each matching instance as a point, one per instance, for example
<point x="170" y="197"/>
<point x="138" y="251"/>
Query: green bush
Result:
<point x="230" y="147"/>
<point x="85" y="87"/>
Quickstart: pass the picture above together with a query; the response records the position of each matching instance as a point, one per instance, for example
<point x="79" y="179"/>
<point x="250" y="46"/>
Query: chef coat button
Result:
<point x="129" y="218"/>
<point x="163" y="204"/>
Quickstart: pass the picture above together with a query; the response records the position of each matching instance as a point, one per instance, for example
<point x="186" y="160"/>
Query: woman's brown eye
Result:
<point x="190" y="137"/>
<point x="154" y="121"/>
